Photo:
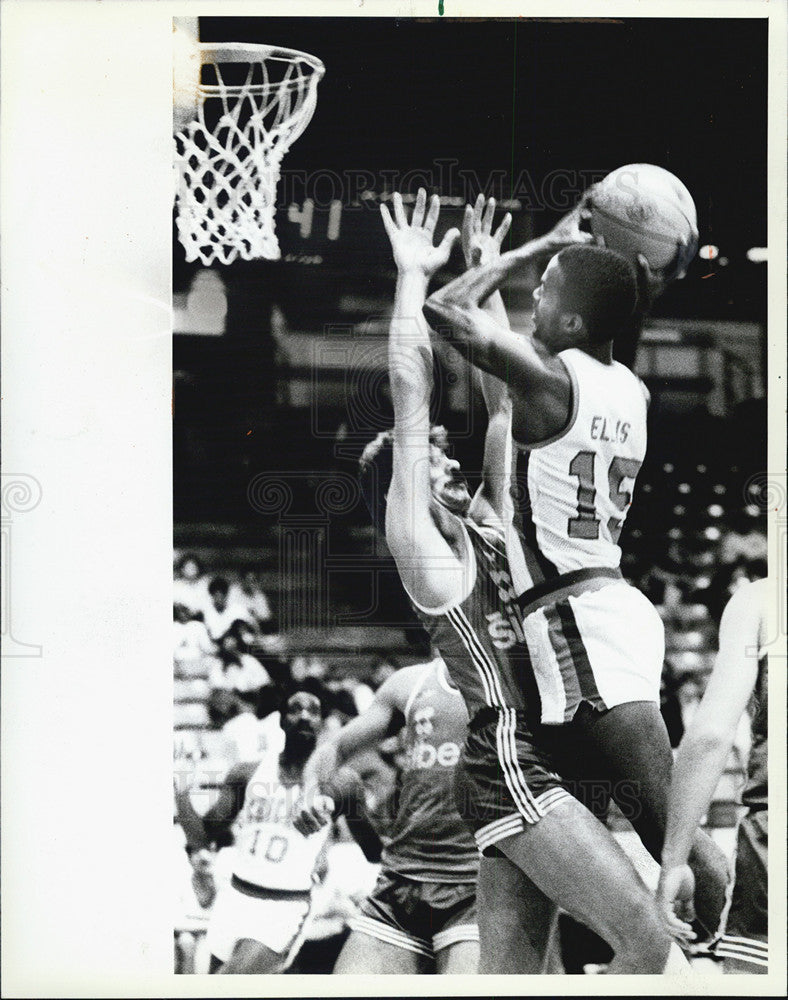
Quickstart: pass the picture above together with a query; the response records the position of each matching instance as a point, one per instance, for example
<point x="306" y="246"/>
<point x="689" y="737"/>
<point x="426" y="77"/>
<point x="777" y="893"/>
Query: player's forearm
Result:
<point x="476" y="285"/>
<point x="699" y="764"/>
<point x="324" y="763"/>
<point x="190" y="822"/>
<point x="410" y="354"/>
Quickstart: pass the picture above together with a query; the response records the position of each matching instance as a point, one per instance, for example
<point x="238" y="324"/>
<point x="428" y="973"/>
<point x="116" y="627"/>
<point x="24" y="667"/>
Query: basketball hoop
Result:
<point x="250" y="106"/>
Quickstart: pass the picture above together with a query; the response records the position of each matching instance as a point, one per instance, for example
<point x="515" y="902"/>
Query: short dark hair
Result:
<point x="375" y="469"/>
<point x="218" y="586"/>
<point x="601" y="286"/>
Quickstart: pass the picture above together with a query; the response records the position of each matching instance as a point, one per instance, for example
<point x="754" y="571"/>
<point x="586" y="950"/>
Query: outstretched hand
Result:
<point x="676" y="902"/>
<point x="574" y="227"/>
<point x="412" y="242"/>
<point x="479" y="243"/>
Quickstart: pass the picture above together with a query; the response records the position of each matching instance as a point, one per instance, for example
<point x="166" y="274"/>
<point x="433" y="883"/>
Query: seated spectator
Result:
<point x="247" y="592"/>
<point x="235" y="669"/>
<point x="191" y="639"/>
<point x="190" y="586"/>
<point x="220" y="613"/>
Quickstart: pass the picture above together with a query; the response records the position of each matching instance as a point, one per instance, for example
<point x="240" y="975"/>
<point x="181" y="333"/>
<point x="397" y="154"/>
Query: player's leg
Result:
<point x="577" y="863"/>
<point x="629" y="745"/>
<point x="251" y="957"/>
<point x="452" y="914"/>
<point x="363" y="954"/>
<point x="461" y="959"/>
<point x="185" y="950"/>
<point x="515" y="919"/>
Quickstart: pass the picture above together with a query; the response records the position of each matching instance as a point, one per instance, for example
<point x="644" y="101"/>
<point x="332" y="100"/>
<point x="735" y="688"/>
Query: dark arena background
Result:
<point x="280" y="367"/>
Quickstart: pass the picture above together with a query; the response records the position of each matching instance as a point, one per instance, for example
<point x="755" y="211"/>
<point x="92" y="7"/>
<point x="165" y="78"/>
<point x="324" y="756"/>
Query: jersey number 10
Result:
<point x="586" y="524"/>
<point x="276" y="847"/>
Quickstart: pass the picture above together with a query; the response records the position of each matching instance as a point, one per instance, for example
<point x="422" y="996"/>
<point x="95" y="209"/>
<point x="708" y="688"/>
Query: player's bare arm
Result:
<point x="212" y="827"/>
<point x="317" y="804"/>
<point x="418" y="531"/>
<point x="480" y="245"/>
<point x="537" y="380"/>
<point x="701" y="758"/>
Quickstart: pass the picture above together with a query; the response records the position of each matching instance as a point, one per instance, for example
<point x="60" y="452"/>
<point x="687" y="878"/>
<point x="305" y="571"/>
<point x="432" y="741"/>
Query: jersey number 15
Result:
<point x="586" y="523"/>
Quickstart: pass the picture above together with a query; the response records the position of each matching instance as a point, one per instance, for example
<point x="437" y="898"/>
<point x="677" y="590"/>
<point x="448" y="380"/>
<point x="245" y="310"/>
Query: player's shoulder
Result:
<point x="399" y="688"/>
<point x="748" y="600"/>
<point x="489" y="529"/>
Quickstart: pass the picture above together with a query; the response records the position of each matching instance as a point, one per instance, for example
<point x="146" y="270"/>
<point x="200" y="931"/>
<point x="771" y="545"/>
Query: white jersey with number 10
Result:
<point x="571" y="493"/>
<point x="269" y="852"/>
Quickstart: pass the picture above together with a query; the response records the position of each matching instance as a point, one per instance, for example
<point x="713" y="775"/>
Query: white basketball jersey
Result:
<point x="269" y="851"/>
<point x="571" y="493"/>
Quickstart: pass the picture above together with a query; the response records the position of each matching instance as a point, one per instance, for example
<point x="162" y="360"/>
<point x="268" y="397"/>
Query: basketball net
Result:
<point x="232" y="127"/>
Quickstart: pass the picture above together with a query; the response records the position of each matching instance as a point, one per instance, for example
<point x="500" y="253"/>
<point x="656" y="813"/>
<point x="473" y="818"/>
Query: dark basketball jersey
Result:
<point x="756" y="790"/>
<point x="428" y="840"/>
<point x="481" y="638"/>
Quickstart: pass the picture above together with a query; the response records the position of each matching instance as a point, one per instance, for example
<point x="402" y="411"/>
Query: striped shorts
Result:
<point x="503" y="781"/>
<point x="744" y="944"/>
<point x="602" y="645"/>
<point x="422" y="917"/>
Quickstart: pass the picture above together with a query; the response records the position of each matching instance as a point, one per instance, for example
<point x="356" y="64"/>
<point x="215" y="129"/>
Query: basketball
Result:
<point x="643" y="209"/>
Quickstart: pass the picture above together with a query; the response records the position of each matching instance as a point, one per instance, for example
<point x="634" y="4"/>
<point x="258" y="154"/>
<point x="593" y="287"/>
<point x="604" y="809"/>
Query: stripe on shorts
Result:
<point x="743" y="949"/>
<point x="565" y="660"/>
<point x="499" y="829"/>
<point x="390" y="935"/>
<point x="551" y="798"/>
<point x="507" y="757"/>
<point x="453" y="935"/>
<point x="585" y="673"/>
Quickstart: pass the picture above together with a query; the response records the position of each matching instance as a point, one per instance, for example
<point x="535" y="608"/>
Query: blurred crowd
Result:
<point x="230" y="669"/>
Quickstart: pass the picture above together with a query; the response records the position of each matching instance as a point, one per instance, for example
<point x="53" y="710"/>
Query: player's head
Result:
<point x="219" y="588"/>
<point x="448" y="484"/>
<point x="586" y="296"/>
<point x="303" y="708"/>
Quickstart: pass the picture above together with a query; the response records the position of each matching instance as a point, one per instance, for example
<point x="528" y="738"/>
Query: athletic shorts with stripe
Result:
<point x="423" y="917"/>
<point x="503" y="781"/>
<point x="744" y="943"/>
<point x="604" y="645"/>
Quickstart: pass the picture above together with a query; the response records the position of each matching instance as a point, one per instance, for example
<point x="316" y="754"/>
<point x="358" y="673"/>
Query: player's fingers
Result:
<point x="399" y="211"/>
<point x="478" y="208"/>
<point x="681" y="930"/>
<point x="503" y="229"/>
<point x="467" y="221"/>
<point x="448" y="242"/>
<point x="487" y="218"/>
<point x="600" y="240"/>
<point x="418" y="212"/>
<point x="433" y="213"/>
<point x="388" y="222"/>
<point x="467" y="228"/>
